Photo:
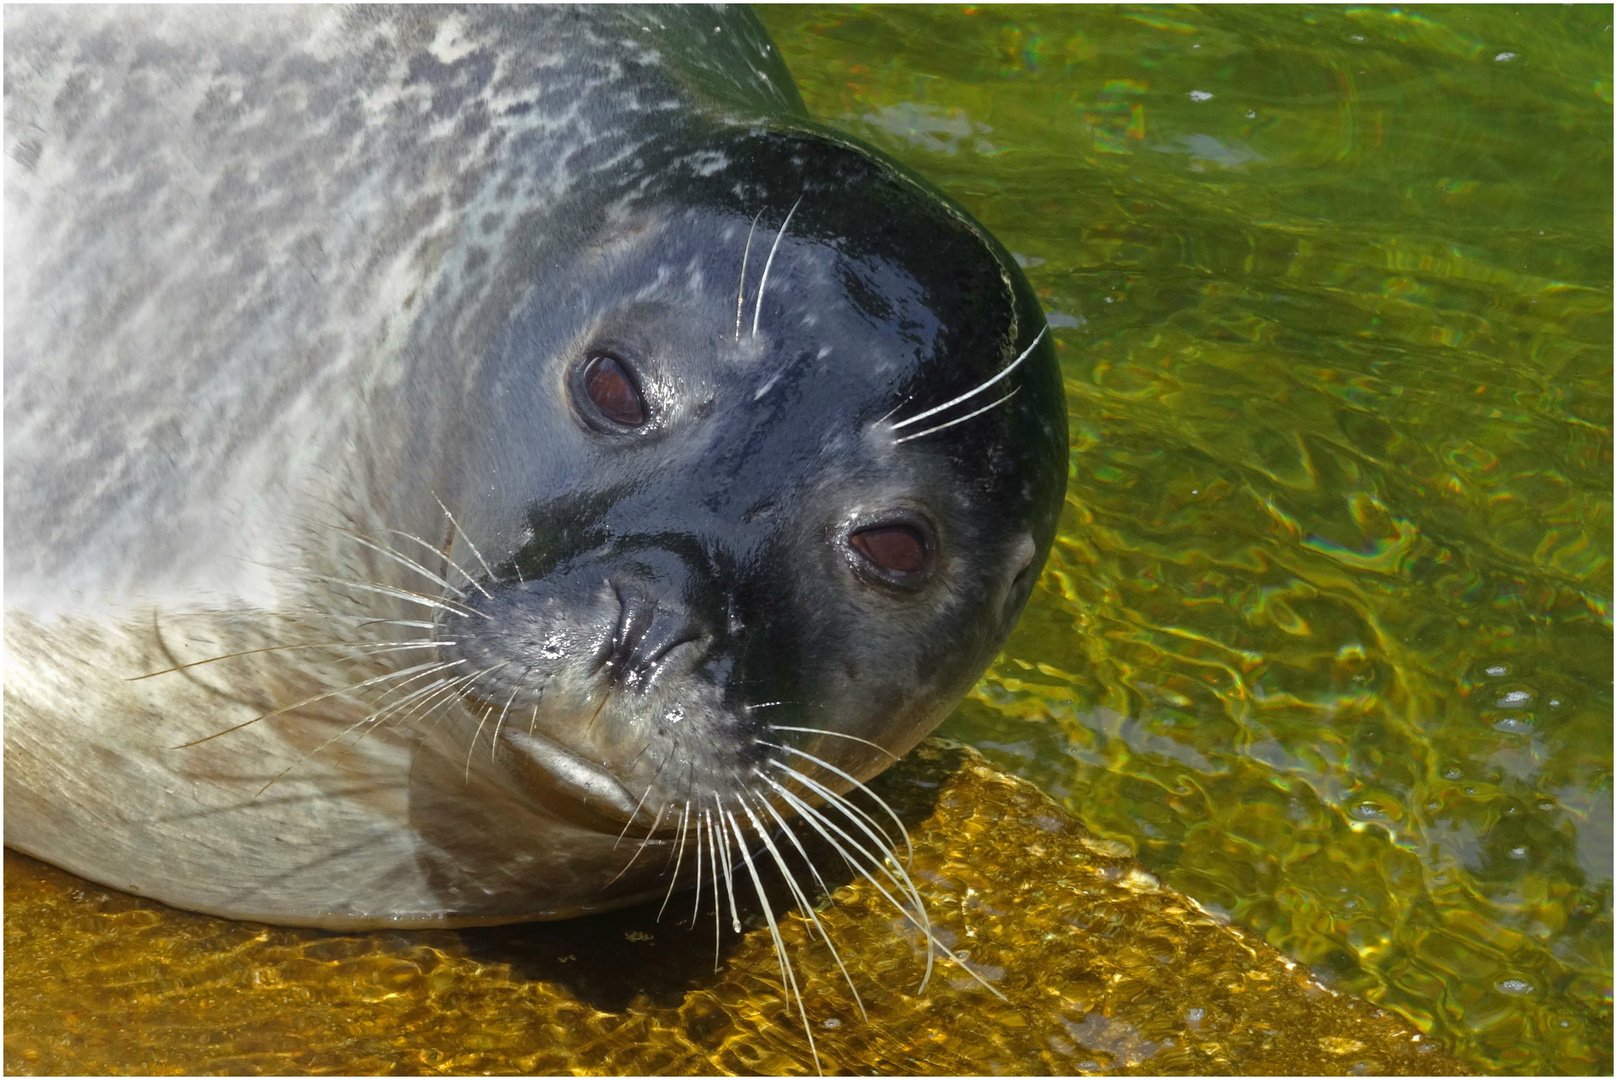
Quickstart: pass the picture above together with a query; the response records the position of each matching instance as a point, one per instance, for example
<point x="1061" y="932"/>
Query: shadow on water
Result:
<point x="605" y="961"/>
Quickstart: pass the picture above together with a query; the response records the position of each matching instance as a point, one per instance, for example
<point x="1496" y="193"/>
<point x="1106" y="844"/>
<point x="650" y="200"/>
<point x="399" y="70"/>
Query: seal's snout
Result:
<point x="648" y="630"/>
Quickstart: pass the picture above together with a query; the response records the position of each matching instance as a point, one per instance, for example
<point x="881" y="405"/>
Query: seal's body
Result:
<point x="467" y="466"/>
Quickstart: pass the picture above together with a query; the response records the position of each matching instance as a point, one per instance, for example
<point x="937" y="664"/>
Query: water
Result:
<point x="1326" y="637"/>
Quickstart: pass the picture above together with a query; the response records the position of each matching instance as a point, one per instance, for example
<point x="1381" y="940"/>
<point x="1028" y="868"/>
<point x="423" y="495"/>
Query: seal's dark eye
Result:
<point x="898" y="551"/>
<point x="614" y="393"/>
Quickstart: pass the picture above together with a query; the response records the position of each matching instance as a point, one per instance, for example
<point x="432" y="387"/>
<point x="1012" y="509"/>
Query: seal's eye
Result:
<point x="613" y="392"/>
<point x="899" y="553"/>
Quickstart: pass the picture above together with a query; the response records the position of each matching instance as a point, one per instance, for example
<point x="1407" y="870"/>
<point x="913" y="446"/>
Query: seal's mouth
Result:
<point x="579" y="786"/>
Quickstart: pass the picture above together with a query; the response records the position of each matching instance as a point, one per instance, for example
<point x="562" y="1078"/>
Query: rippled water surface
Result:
<point x="1326" y="636"/>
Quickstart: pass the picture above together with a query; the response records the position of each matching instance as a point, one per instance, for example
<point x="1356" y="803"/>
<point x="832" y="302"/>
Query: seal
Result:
<point x="468" y="466"/>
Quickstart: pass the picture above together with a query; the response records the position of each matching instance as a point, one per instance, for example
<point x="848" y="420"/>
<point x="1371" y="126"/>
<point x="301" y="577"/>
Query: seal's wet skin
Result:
<point x="465" y="467"/>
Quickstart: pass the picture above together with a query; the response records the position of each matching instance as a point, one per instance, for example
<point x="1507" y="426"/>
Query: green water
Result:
<point x="1326" y="637"/>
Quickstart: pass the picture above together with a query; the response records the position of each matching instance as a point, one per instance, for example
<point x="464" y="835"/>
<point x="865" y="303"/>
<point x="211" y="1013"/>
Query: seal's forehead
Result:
<point x="773" y="279"/>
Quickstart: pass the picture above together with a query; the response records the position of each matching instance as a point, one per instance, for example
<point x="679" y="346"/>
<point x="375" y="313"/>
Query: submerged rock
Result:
<point x="1101" y="971"/>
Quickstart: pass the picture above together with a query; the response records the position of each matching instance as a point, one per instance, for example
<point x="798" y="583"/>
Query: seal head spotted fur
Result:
<point x="470" y="466"/>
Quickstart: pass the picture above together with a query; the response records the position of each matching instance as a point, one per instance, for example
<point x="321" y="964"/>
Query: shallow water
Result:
<point x="1097" y="970"/>
<point x="1326" y="637"/>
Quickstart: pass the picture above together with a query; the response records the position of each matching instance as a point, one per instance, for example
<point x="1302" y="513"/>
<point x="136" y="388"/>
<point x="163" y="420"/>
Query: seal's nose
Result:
<point x="647" y="631"/>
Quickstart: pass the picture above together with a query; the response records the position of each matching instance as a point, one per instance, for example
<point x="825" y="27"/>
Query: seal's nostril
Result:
<point x="646" y="632"/>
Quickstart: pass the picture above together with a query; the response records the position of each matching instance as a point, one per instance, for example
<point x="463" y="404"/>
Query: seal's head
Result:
<point x="765" y="480"/>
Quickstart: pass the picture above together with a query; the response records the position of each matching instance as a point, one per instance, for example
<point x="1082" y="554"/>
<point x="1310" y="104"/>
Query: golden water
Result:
<point x="1098" y="968"/>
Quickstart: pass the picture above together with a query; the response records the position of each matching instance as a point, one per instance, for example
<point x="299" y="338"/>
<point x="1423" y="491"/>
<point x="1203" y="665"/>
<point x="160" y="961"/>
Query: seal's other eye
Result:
<point x="614" y="393"/>
<point x="898" y="552"/>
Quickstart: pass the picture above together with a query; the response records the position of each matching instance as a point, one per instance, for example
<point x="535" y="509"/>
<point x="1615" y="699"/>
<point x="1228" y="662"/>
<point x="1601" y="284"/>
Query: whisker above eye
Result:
<point x="758" y="308"/>
<point x="961" y="420"/>
<point x="741" y="286"/>
<point x="974" y="391"/>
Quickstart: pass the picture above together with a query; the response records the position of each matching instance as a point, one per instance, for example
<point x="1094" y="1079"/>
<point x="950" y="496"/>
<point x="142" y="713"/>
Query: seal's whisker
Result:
<point x="878" y="854"/>
<point x="786" y="828"/>
<point x="741" y="286"/>
<point x="494" y="740"/>
<point x="978" y="412"/>
<point x="472" y="746"/>
<point x="398" y="557"/>
<point x="803" y="903"/>
<point x="836" y="735"/>
<point x="917" y="918"/>
<point x="974" y="391"/>
<point x="888" y="414"/>
<point x="414" y="695"/>
<point x="445" y="557"/>
<point x="345" y="731"/>
<point x="370" y="646"/>
<point x="825" y="826"/>
<point x="789" y="986"/>
<point x="463" y="533"/>
<point x="630" y="823"/>
<point x="645" y="841"/>
<point x="533" y="721"/>
<point x="909" y="849"/>
<point x="299" y="704"/>
<point x="447" y="691"/>
<point x="713" y="861"/>
<point x="696" y="908"/>
<point x="678" y="855"/>
<point x="729" y="865"/>
<point x="399" y="594"/>
<point x="763" y="281"/>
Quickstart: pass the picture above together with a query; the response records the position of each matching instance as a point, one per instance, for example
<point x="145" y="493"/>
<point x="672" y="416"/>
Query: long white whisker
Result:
<point x="452" y="563"/>
<point x="831" y="797"/>
<point x="729" y="867"/>
<point x="696" y="908"/>
<point x="494" y="740"/>
<point x="370" y="647"/>
<point x="403" y="560"/>
<point x="909" y="849"/>
<point x="758" y="308"/>
<point x="741" y="286"/>
<point x="797" y="891"/>
<point x="923" y="923"/>
<point x="312" y="753"/>
<point x="858" y="818"/>
<point x="978" y="412"/>
<point x="472" y="746"/>
<point x="399" y="594"/>
<point x="644" y="841"/>
<point x="679" y="859"/>
<point x="788" y="977"/>
<point x="979" y="388"/>
<point x="713" y="861"/>
<point x="836" y="735"/>
<point x="821" y="824"/>
<point x="628" y="824"/>
<point x="382" y="711"/>
<point x="463" y="532"/>
<point x="306" y="701"/>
